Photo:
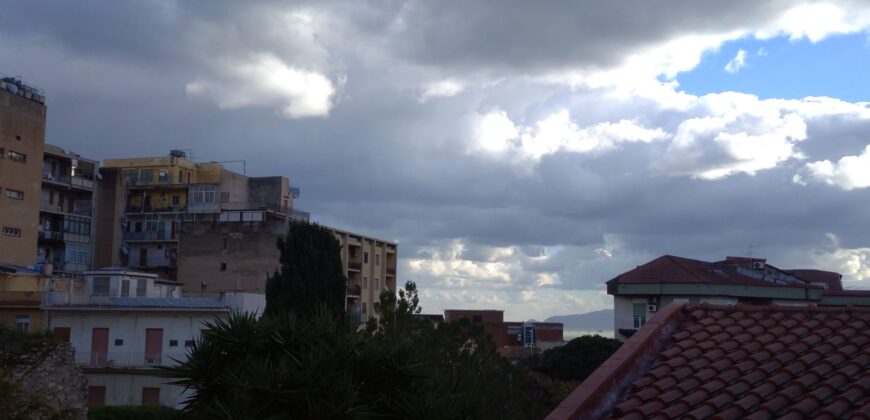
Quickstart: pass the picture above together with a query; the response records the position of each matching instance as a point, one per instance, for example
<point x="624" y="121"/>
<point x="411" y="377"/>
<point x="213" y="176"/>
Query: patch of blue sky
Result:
<point x="836" y="67"/>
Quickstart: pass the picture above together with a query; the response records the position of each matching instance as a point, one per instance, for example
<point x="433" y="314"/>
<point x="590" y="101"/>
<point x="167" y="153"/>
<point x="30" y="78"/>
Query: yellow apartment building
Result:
<point x="22" y="140"/>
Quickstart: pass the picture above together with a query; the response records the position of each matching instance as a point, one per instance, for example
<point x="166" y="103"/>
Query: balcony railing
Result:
<point x="152" y="235"/>
<point x="154" y="299"/>
<point x="57" y="208"/>
<point x="130" y="359"/>
<point x="155" y="209"/>
<point x="153" y="262"/>
<point x="391" y="271"/>
<point x="75" y="181"/>
<point x="639" y="320"/>
<point x="354" y="290"/>
<point x="354" y="265"/>
<point x="21" y="298"/>
<point x="51" y="235"/>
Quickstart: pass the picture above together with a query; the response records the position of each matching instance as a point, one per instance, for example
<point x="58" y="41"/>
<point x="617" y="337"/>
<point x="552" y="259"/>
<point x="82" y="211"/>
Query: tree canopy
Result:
<point x="310" y="275"/>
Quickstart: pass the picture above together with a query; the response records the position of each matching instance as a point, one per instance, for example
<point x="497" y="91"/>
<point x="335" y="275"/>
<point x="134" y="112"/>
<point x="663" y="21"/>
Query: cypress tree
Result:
<point x="311" y="273"/>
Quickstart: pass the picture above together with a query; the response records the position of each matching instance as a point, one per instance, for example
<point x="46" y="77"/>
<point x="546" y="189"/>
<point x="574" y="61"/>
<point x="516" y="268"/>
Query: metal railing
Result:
<point x="130" y="359"/>
<point x="57" y="208"/>
<point x="354" y="265"/>
<point x="51" y="235"/>
<point x="152" y="235"/>
<point x="354" y="290"/>
<point x="155" y="209"/>
<point x="639" y="320"/>
<point x="391" y="271"/>
<point x="45" y="205"/>
<point x="153" y="262"/>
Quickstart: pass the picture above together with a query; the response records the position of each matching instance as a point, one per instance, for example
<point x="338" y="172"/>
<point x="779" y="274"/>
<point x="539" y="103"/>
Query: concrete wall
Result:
<point x="110" y="210"/>
<point x="130" y="327"/>
<point x="126" y="388"/>
<point x="273" y="191"/>
<point x="228" y="255"/>
<point x="22" y="130"/>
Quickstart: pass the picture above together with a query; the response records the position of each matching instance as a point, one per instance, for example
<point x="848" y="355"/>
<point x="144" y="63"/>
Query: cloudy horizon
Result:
<point x="521" y="153"/>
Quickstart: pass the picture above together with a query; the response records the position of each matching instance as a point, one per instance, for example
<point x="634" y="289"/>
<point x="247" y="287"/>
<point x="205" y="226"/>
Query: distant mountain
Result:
<point x="598" y="320"/>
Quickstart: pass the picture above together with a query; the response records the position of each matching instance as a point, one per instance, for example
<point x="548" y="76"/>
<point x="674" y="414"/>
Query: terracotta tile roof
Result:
<point x="672" y="269"/>
<point x="734" y="362"/>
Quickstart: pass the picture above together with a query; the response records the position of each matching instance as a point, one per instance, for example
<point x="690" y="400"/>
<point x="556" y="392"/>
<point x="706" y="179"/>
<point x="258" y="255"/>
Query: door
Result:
<point x="99" y="346"/>
<point x="174" y="227"/>
<point x="143" y="257"/>
<point x="96" y="396"/>
<point x="125" y="288"/>
<point x="153" y="345"/>
<point x="150" y="396"/>
<point x="62" y="333"/>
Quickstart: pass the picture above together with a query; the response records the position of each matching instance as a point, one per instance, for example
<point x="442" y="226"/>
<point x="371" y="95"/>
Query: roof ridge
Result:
<point x="676" y="261"/>
<point x="741" y="307"/>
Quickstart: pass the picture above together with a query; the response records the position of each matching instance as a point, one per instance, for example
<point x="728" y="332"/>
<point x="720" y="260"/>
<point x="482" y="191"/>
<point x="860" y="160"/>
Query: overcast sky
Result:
<point x="521" y="152"/>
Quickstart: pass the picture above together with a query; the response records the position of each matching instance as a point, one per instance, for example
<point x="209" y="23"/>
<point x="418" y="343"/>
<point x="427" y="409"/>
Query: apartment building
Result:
<point x="639" y="293"/>
<point x="514" y="340"/>
<point x="126" y="325"/>
<point x="240" y="253"/>
<point x="145" y="201"/>
<point x="22" y="140"/>
<point x="66" y="211"/>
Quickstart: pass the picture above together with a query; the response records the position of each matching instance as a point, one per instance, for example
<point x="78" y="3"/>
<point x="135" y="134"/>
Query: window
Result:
<point x="204" y="194"/>
<point x="477" y="318"/>
<point x="377" y="259"/>
<point x="101" y="286"/>
<point x="140" y="287"/>
<point x="188" y="343"/>
<point x="639" y="314"/>
<point x="11" y="231"/>
<point x="176" y="200"/>
<point x="180" y="179"/>
<point x="377" y="284"/>
<point x="365" y="282"/>
<point x="364" y="308"/>
<point x="147" y="176"/>
<point x="22" y="322"/>
<point x="365" y="257"/>
<point x="18" y="157"/>
<point x="223" y="266"/>
<point x="18" y="138"/>
<point x="119" y="341"/>
<point x="15" y="194"/>
<point x="163" y="176"/>
<point x="223" y="243"/>
<point x="173" y="343"/>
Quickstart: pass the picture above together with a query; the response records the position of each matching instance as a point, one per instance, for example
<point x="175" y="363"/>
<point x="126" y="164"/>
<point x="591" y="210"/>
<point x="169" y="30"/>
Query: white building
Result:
<point x="125" y="325"/>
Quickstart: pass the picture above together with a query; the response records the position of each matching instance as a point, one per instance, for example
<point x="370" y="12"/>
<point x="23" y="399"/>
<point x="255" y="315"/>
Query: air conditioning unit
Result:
<point x="758" y="265"/>
<point x="652" y="308"/>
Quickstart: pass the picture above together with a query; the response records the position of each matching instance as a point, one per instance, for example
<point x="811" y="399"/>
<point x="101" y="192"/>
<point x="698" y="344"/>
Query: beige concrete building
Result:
<point x="241" y="255"/>
<point x="66" y="211"/>
<point x="145" y="201"/>
<point x="22" y="140"/>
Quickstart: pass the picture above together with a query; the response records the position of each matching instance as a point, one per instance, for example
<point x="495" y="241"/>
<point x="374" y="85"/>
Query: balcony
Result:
<point x="354" y="265"/>
<point x="154" y="209"/>
<point x="354" y="291"/>
<point x="78" y="210"/>
<point x="21" y="298"/>
<point x="153" y="235"/>
<point x="154" y="262"/>
<point x="115" y="299"/>
<point x="391" y="271"/>
<point x="129" y="359"/>
<point x="50" y="236"/>
<point x="66" y="180"/>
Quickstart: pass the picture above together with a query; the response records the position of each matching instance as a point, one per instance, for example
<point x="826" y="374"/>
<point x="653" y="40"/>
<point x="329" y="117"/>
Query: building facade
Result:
<point x="66" y="211"/>
<point x="126" y="325"/>
<point x="241" y="253"/>
<point x="514" y="340"/>
<point x="22" y="140"/>
<point x="145" y="201"/>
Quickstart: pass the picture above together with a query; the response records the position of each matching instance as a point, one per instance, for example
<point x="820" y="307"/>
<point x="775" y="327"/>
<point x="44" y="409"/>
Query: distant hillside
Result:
<point x="598" y="320"/>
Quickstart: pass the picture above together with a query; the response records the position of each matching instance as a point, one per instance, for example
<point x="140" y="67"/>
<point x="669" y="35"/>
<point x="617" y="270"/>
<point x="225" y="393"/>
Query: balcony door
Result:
<point x="143" y="257"/>
<point x="153" y="345"/>
<point x="99" y="346"/>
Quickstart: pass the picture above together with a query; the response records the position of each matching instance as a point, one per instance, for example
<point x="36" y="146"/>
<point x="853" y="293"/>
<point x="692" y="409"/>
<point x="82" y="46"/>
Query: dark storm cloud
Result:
<point x="386" y="163"/>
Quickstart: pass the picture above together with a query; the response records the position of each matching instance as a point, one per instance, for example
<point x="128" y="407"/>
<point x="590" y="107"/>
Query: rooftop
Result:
<point x="734" y="362"/>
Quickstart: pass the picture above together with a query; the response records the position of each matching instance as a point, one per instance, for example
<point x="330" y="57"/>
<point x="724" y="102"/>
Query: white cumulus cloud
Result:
<point x="850" y="172"/>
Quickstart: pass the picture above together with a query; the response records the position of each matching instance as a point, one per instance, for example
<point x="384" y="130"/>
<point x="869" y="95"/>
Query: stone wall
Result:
<point x="40" y="380"/>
